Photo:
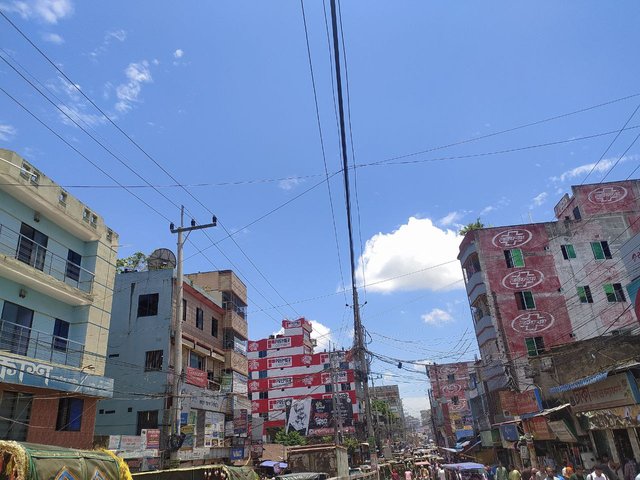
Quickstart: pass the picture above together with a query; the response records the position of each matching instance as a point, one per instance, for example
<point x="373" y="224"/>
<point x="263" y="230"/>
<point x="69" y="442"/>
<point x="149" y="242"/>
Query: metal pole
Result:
<point x="177" y="324"/>
<point x="177" y="338"/>
<point x="336" y="413"/>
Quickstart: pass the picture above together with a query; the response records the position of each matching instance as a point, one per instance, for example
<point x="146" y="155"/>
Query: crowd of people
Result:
<point x="606" y="469"/>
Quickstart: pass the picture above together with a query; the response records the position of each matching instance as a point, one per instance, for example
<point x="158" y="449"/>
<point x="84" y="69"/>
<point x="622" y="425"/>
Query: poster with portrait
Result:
<point x="298" y="414"/>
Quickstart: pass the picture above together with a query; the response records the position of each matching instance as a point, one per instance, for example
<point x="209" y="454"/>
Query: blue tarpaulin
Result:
<point x="583" y="382"/>
<point x="271" y="463"/>
<point x="464" y="466"/>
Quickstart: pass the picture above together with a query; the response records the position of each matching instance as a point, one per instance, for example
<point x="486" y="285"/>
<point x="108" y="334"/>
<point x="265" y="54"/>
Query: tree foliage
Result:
<point x="351" y="444"/>
<point x="289" y="439"/>
<point x="133" y="263"/>
<point x="477" y="225"/>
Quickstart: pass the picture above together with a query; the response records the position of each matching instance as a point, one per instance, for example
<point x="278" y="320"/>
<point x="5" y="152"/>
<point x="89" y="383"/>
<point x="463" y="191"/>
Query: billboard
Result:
<point x="317" y="417"/>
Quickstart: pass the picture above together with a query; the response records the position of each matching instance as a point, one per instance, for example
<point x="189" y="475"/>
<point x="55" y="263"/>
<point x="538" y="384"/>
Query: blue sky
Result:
<point x="220" y="94"/>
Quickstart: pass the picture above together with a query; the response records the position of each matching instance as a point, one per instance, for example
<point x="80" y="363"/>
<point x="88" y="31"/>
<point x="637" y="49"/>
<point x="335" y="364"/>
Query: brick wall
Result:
<point x="44" y="412"/>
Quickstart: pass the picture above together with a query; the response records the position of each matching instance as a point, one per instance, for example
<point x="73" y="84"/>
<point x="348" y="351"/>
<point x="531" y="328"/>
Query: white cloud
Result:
<point x="322" y="334"/>
<point x="48" y="11"/>
<point x="53" y="38"/>
<point x="77" y="113"/>
<point x="450" y="218"/>
<point x="419" y="366"/>
<point x="413" y="405"/>
<point x="401" y="260"/>
<point x="539" y="199"/>
<point x="128" y="93"/>
<point x="437" y="317"/>
<point x="290" y="183"/>
<point x="178" y="53"/>
<point x="109" y="36"/>
<point x="601" y="167"/>
<point x="487" y="209"/>
<point x="7" y="132"/>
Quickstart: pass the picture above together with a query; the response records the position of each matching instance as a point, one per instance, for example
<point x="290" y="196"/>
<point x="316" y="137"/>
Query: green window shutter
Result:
<point x="531" y="346"/>
<point x="609" y="292"/>
<point x="517" y="258"/>
<point x="571" y="253"/>
<point x="598" y="252"/>
<point x="529" y="304"/>
<point x="582" y="294"/>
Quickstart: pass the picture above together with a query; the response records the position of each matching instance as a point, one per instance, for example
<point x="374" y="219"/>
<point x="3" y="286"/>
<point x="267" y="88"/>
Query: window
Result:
<point x="199" y="319"/>
<point x="148" y="305"/>
<point x="29" y="173"/>
<point x="62" y="198"/>
<point x="15" y="412"/>
<point x="69" y="414"/>
<point x="576" y="214"/>
<point x="196" y="361"/>
<point x="264" y="415"/>
<point x="60" y="335"/>
<point x="16" y="328"/>
<point x="93" y="220"/>
<point x="214" y="327"/>
<point x="146" y="419"/>
<point x="184" y="310"/>
<point x="568" y="251"/>
<point x="535" y="346"/>
<point x="153" y="360"/>
<point x="600" y="250"/>
<point x="262" y="374"/>
<point x="584" y="293"/>
<point x="345" y="386"/>
<point x="514" y="258"/>
<point x="263" y="395"/>
<point x="451" y="378"/>
<point x="86" y="215"/>
<point x="262" y="354"/>
<point x="32" y="248"/>
<point x="525" y="301"/>
<point x="328" y="388"/>
<point x="614" y="292"/>
<point x="455" y="400"/>
<point x="73" y="265"/>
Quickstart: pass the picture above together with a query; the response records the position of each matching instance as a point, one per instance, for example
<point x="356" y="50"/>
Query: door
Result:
<point x="623" y="443"/>
<point x="15" y="331"/>
<point x="32" y="247"/>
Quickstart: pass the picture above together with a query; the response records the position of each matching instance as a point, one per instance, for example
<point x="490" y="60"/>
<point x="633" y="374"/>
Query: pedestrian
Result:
<point x="526" y="474"/>
<point x="514" y="473"/>
<point x="408" y="474"/>
<point x="394" y="475"/>
<point x="441" y="473"/>
<point x="550" y="474"/>
<point x="609" y="467"/>
<point x="489" y="472"/>
<point x="598" y="473"/>
<point x="579" y="473"/>
<point x="534" y="474"/>
<point x="629" y="470"/>
<point x="501" y="472"/>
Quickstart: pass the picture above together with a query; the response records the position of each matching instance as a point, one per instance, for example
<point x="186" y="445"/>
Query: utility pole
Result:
<point x="337" y="417"/>
<point x="177" y="326"/>
<point x="360" y="353"/>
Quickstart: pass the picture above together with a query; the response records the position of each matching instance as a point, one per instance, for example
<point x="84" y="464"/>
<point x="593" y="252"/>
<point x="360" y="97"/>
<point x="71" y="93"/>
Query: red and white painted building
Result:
<point x="535" y="286"/>
<point x="284" y="367"/>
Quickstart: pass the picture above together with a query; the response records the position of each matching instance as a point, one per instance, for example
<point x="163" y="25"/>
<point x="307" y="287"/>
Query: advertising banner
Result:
<point x="539" y="428"/>
<point x="614" y="418"/>
<point x="516" y="403"/>
<point x="240" y="422"/>
<point x="197" y="377"/>
<point x="298" y="415"/>
<point x="614" y="391"/>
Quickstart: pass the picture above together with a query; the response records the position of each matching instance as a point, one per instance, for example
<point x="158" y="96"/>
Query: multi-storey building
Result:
<point x="449" y="403"/>
<point x="537" y="286"/>
<point x="393" y="427"/>
<point x="140" y="356"/>
<point x="57" y="268"/>
<point x="284" y="369"/>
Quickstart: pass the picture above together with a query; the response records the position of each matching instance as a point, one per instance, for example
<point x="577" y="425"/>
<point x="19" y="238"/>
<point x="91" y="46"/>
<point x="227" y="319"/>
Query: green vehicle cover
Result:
<point x="204" y="472"/>
<point x="29" y="461"/>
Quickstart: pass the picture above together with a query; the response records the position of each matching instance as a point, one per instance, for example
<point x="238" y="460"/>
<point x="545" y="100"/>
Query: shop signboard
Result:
<point x="237" y="453"/>
<point x="539" y="428"/>
<point x="613" y="418"/>
<point x="615" y="391"/>
<point x="280" y="342"/>
<point x="562" y="431"/>
<point x="197" y="377"/>
<point x="203" y="399"/>
<point x="519" y="403"/>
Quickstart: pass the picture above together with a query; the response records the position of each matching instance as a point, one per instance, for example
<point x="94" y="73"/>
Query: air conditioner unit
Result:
<point x="546" y="364"/>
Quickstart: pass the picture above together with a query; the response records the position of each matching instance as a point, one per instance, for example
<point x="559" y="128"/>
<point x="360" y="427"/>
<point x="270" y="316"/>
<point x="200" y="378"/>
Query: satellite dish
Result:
<point x="160" y="259"/>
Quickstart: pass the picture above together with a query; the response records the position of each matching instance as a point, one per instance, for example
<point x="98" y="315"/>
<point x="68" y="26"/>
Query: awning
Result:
<point x="545" y="412"/>
<point x="583" y="382"/>
<point x="474" y="445"/>
<point x="271" y="463"/>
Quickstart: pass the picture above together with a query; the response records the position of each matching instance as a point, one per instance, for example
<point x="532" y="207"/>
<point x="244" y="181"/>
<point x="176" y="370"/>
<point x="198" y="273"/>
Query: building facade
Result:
<point x="450" y="407"/>
<point x="393" y="428"/>
<point x="57" y="268"/>
<point x="535" y="287"/>
<point x="140" y="356"/>
<point x="284" y="371"/>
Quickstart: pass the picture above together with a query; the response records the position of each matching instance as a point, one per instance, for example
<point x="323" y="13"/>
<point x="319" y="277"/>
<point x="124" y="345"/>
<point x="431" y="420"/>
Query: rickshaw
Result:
<point x="465" y="471"/>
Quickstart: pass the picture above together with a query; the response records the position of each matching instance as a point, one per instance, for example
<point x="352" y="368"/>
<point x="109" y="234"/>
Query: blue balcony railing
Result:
<point x="36" y="255"/>
<point x="25" y="341"/>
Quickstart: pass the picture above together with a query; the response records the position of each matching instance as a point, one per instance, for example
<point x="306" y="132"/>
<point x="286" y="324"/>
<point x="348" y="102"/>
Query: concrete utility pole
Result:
<point x="177" y="326"/>
<point x="359" y="345"/>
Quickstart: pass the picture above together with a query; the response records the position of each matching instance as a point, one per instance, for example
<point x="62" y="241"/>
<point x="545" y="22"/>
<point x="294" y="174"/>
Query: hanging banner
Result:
<point x="613" y="418"/>
<point x="562" y="431"/>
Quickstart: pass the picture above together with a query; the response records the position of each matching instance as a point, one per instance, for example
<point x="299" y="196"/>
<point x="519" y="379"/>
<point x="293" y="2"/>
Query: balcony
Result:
<point x="74" y="284"/>
<point x="485" y="330"/>
<point x="235" y="322"/>
<point x="25" y="341"/>
<point x="476" y="286"/>
<point x="237" y="362"/>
